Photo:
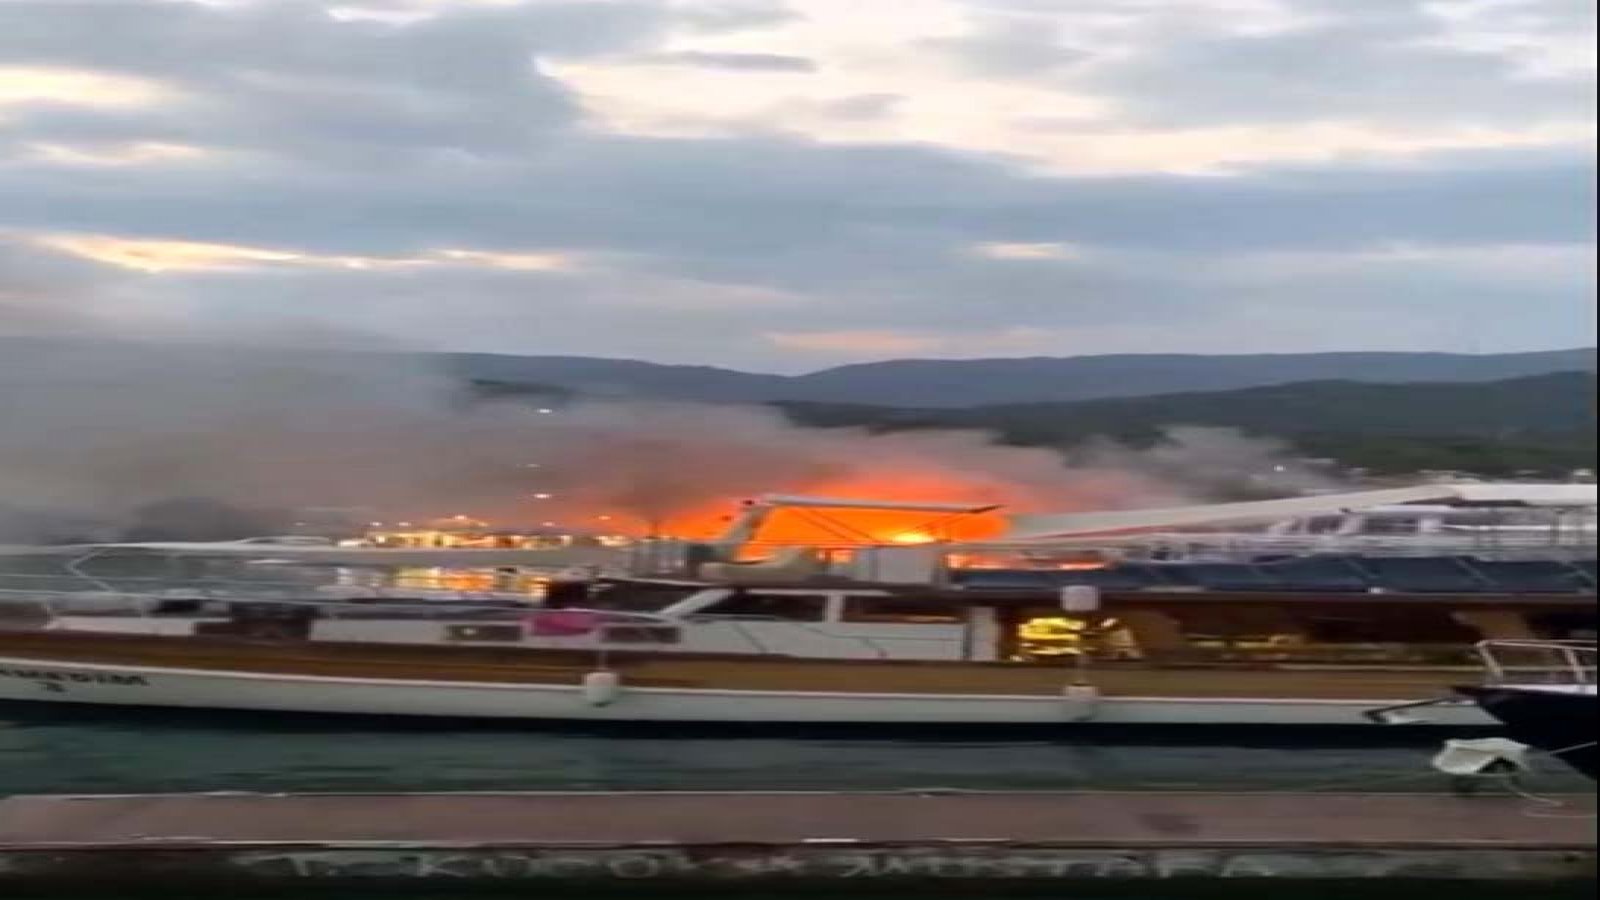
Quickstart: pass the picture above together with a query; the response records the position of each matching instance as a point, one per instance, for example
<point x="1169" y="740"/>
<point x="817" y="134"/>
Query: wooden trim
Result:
<point x="720" y="672"/>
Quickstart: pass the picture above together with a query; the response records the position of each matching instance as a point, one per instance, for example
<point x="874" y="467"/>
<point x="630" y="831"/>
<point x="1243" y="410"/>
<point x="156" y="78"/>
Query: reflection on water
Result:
<point x="64" y="749"/>
<point x="1229" y="890"/>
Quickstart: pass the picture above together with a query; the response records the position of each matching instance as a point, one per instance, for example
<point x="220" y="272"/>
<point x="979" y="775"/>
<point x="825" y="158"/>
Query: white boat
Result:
<point x="606" y="665"/>
<point x="610" y="695"/>
<point x="823" y="652"/>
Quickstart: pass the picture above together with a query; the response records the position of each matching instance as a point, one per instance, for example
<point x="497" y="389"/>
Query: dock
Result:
<point x="757" y="841"/>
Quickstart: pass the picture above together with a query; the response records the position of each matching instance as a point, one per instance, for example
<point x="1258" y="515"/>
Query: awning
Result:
<point x="856" y="503"/>
<point x="1026" y="527"/>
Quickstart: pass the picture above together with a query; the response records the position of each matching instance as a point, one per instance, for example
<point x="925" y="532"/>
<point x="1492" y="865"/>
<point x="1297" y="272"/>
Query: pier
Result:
<point x="762" y="841"/>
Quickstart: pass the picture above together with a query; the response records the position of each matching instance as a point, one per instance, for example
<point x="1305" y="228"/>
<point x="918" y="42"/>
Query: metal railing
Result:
<point x="54" y="605"/>
<point x="1240" y="547"/>
<point x="1538" y="662"/>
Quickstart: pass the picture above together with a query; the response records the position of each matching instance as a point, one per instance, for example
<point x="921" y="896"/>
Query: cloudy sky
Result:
<point x="789" y="184"/>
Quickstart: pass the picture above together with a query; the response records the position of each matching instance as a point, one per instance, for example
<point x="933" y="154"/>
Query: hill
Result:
<point x="1542" y="422"/>
<point x="983" y="382"/>
<point x="946" y="383"/>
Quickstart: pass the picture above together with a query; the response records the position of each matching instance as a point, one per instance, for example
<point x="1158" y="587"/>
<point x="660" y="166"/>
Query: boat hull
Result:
<point x="1560" y="723"/>
<point x="587" y="700"/>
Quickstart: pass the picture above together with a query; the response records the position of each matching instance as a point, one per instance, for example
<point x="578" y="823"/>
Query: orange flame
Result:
<point x="862" y="526"/>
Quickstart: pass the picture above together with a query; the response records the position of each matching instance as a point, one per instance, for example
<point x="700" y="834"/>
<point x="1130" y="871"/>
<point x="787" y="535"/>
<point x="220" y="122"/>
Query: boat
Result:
<point x="640" y="687"/>
<point x="1543" y="692"/>
<point x="857" y="636"/>
<point x="821" y="654"/>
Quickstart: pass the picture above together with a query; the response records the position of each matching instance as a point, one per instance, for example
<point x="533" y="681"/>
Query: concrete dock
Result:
<point x="761" y="840"/>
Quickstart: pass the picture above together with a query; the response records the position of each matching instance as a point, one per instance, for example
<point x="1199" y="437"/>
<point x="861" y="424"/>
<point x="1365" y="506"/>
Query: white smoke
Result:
<point x="95" y="427"/>
<point x="100" y="430"/>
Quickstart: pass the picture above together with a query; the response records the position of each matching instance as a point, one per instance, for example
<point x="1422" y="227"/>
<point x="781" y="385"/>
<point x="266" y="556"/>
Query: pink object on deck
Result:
<point x="562" y="622"/>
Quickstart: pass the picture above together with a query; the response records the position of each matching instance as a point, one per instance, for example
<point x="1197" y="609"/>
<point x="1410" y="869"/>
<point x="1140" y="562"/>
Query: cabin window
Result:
<point x="629" y="598"/>
<point x="641" y="634"/>
<point x="901" y="610"/>
<point x="1391" y="625"/>
<point x="791" y="607"/>
<point x="1391" y="525"/>
<point x="1324" y="524"/>
<point x="1573" y="625"/>
<point x="500" y="633"/>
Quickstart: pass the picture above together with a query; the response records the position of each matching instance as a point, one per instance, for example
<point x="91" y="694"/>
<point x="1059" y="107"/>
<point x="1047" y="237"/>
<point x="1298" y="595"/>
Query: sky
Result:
<point x="786" y="185"/>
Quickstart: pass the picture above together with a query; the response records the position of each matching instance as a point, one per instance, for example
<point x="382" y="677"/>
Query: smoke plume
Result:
<point x="100" y="431"/>
<point x="97" y="432"/>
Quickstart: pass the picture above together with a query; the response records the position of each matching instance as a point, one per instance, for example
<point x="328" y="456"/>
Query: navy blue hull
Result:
<point x="1562" y="724"/>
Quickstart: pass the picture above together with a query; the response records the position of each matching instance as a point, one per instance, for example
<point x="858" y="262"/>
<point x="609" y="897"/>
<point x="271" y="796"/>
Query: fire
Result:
<point x="691" y="515"/>
<point x="844" y="526"/>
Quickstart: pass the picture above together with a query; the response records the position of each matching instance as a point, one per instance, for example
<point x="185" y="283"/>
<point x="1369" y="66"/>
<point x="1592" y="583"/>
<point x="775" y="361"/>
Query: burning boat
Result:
<point x="855" y="634"/>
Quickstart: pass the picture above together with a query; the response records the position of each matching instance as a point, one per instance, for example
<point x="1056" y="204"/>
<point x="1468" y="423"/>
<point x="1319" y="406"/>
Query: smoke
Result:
<point x="101" y="431"/>
<point x="104" y="436"/>
<point x="1210" y="463"/>
<point x="43" y="293"/>
<point x="673" y="464"/>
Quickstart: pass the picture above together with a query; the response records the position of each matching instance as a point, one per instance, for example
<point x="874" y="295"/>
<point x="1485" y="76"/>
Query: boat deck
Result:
<point x="1379" y="683"/>
<point x="747" y="839"/>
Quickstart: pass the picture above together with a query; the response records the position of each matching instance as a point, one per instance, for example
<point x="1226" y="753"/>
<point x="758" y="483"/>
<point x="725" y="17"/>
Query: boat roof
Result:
<point x="796" y="500"/>
<point x="1075" y="524"/>
<point x="1167" y="598"/>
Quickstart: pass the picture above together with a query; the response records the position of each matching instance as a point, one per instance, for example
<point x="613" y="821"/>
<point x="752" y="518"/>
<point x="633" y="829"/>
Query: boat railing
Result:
<point x="739" y="624"/>
<point x="17" y="587"/>
<point x="1538" y="662"/>
<point x="53" y="605"/>
<point x="1244" y="547"/>
<point x="90" y="603"/>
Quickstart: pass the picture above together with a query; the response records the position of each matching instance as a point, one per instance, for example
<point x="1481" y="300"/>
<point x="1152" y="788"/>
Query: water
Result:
<point x="1234" y="891"/>
<point x="65" y="750"/>
<point x="48" y="749"/>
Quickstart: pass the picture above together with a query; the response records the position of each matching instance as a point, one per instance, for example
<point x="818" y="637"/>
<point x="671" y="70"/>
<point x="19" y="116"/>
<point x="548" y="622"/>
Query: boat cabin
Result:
<point x="859" y="621"/>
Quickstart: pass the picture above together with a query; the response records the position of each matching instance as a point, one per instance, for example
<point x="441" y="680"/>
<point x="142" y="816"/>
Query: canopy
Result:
<point x="844" y="503"/>
<point x="1025" y="527"/>
<point x="1572" y="496"/>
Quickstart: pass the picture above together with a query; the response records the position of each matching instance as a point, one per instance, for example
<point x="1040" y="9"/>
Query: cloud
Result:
<point x="116" y="153"/>
<point x="154" y="256"/>
<point x="288" y="72"/>
<point x="855" y="343"/>
<point x="722" y="16"/>
<point x="749" y="62"/>
<point x="1399" y="63"/>
<point x="1012" y="47"/>
<point x="1042" y="250"/>
<point x="949" y="177"/>
<point x="1128" y="85"/>
<point x="58" y="85"/>
<point x="859" y="107"/>
<point x="48" y="293"/>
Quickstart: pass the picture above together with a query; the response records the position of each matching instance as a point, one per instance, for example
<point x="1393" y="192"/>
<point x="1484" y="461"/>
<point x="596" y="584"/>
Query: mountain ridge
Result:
<point x="1540" y="423"/>
<point x="999" y="381"/>
<point x="906" y="383"/>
